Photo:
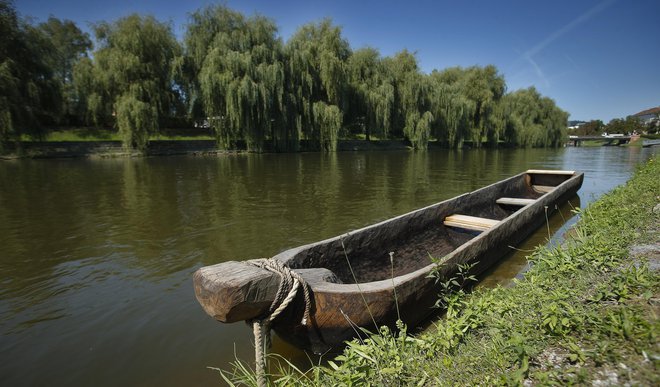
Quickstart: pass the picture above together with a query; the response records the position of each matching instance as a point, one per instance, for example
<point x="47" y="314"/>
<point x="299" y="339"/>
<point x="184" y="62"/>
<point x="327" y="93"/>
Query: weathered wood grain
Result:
<point x="515" y="201"/>
<point x="236" y="291"/>
<point x="470" y="222"/>
<point x="542" y="188"/>
<point x="550" y="172"/>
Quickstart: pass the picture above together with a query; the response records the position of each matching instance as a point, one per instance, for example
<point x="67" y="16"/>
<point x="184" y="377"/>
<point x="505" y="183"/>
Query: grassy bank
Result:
<point x="100" y="134"/>
<point x="586" y="313"/>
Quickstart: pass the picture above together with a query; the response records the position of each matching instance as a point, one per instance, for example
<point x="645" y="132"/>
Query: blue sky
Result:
<point x="598" y="59"/>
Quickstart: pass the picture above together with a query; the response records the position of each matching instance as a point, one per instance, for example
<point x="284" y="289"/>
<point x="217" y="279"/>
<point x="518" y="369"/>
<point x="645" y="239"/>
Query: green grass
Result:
<point x="591" y="143"/>
<point x="77" y="134"/>
<point x="586" y="312"/>
<point x="93" y="134"/>
<point x="635" y="144"/>
<point x="162" y="137"/>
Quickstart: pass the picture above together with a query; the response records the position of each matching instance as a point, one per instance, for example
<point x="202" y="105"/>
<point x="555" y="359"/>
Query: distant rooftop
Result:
<point x="655" y="110"/>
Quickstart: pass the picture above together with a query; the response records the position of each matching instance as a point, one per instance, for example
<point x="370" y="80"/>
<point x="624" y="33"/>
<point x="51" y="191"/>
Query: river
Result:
<point x="97" y="256"/>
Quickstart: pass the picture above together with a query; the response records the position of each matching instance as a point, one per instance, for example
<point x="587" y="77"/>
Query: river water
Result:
<point x="97" y="256"/>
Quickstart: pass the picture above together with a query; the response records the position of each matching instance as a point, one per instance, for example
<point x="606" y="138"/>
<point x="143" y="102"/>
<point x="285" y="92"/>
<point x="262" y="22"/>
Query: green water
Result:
<point x="97" y="256"/>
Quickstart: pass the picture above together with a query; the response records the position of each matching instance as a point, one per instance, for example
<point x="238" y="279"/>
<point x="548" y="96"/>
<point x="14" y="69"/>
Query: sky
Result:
<point x="597" y="59"/>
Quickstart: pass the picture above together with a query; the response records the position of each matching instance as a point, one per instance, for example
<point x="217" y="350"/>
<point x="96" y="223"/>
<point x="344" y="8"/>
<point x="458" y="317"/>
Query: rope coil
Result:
<point x="290" y="282"/>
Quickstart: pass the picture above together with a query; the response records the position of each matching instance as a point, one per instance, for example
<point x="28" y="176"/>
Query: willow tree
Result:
<point x="532" y="120"/>
<point x="371" y="93"/>
<point x="241" y="75"/>
<point x="133" y="74"/>
<point x="84" y="85"/>
<point x="521" y="117"/>
<point x="29" y="92"/>
<point x="554" y="122"/>
<point x="483" y="87"/>
<point x="411" y="116"/>
<point x="203" y="26"/>
<point x="453" y="111"/>
<point x="69" y="45"/>
<point x="316" y="58"/>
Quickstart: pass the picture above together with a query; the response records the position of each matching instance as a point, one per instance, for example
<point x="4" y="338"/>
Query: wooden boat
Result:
<point x="477" y="227"/>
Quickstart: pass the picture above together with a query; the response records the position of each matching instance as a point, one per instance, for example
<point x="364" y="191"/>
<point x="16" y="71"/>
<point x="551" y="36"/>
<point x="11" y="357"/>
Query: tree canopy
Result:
<point x="371" y="93"/>
<point x="628" y="125"/>
<point x="236" y="75"/>
<point x="29" y="92"/>
<point x="316" y="58"/>
<point x="69" y="45"/>
<point x="530" y="119"/>
<point x="241" y="74"/>
<point x="132" y="76"/>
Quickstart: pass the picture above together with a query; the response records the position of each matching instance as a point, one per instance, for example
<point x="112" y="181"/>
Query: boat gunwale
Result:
<point x="387" y="284"/>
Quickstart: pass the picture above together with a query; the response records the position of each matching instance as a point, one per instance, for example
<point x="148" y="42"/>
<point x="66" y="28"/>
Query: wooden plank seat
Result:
<point x="543" y="188"/>
<point x="515" y="201"/>
<point x="470" y="222"/>
<point x="550" y="172"/>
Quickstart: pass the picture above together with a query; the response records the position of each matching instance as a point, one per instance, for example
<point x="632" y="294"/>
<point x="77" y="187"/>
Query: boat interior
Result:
<point x="406" y="243"/>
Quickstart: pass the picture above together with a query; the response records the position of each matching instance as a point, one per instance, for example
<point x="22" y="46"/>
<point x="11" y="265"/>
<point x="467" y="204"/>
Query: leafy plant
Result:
<point x="451" y="288"/>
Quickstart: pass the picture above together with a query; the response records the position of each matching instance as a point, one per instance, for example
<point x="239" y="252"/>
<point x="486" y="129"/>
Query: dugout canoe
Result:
<point x="477" y="228"/>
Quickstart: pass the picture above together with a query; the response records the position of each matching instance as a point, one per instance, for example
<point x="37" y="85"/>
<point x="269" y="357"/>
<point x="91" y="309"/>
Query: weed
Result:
<point x="451" y="289"/>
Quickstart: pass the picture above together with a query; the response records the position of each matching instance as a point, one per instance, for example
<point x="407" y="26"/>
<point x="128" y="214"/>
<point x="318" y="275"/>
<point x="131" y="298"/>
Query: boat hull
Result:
<point x="353" y="277"/>
<point x="339" y="308"/>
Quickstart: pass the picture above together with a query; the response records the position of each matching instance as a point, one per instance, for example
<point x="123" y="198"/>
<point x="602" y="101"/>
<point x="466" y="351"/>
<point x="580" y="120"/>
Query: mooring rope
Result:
<point x="290" y="281"/>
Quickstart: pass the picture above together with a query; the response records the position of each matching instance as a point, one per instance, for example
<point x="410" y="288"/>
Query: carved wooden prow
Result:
<point x="236" y="291"/>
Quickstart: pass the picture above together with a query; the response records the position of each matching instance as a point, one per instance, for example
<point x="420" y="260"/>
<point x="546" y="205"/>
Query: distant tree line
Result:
<point x="628" y="125"/>
<point x="236" y="75"/>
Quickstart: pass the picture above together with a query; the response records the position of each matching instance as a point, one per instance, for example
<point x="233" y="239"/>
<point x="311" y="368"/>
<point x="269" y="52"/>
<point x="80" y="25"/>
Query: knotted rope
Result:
<point x="290" y="281"/>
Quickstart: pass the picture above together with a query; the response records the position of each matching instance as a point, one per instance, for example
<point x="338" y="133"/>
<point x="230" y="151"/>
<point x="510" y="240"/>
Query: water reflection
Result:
<point x="96" y="256"/>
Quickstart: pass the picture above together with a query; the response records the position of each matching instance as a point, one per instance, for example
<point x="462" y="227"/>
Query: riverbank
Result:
<point x="106" y="149"/>
<point x="585" y="313"/>
<point x="114" y="148"/>
<point x="199" y="145"/>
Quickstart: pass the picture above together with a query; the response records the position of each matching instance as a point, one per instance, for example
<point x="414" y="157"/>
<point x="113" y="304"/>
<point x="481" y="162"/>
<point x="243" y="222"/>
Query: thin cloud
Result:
<point x="572" y="62"/>
<point x="568" y="27"/>
<point x="529" y="54"/>
<point x="538" y="70"/>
